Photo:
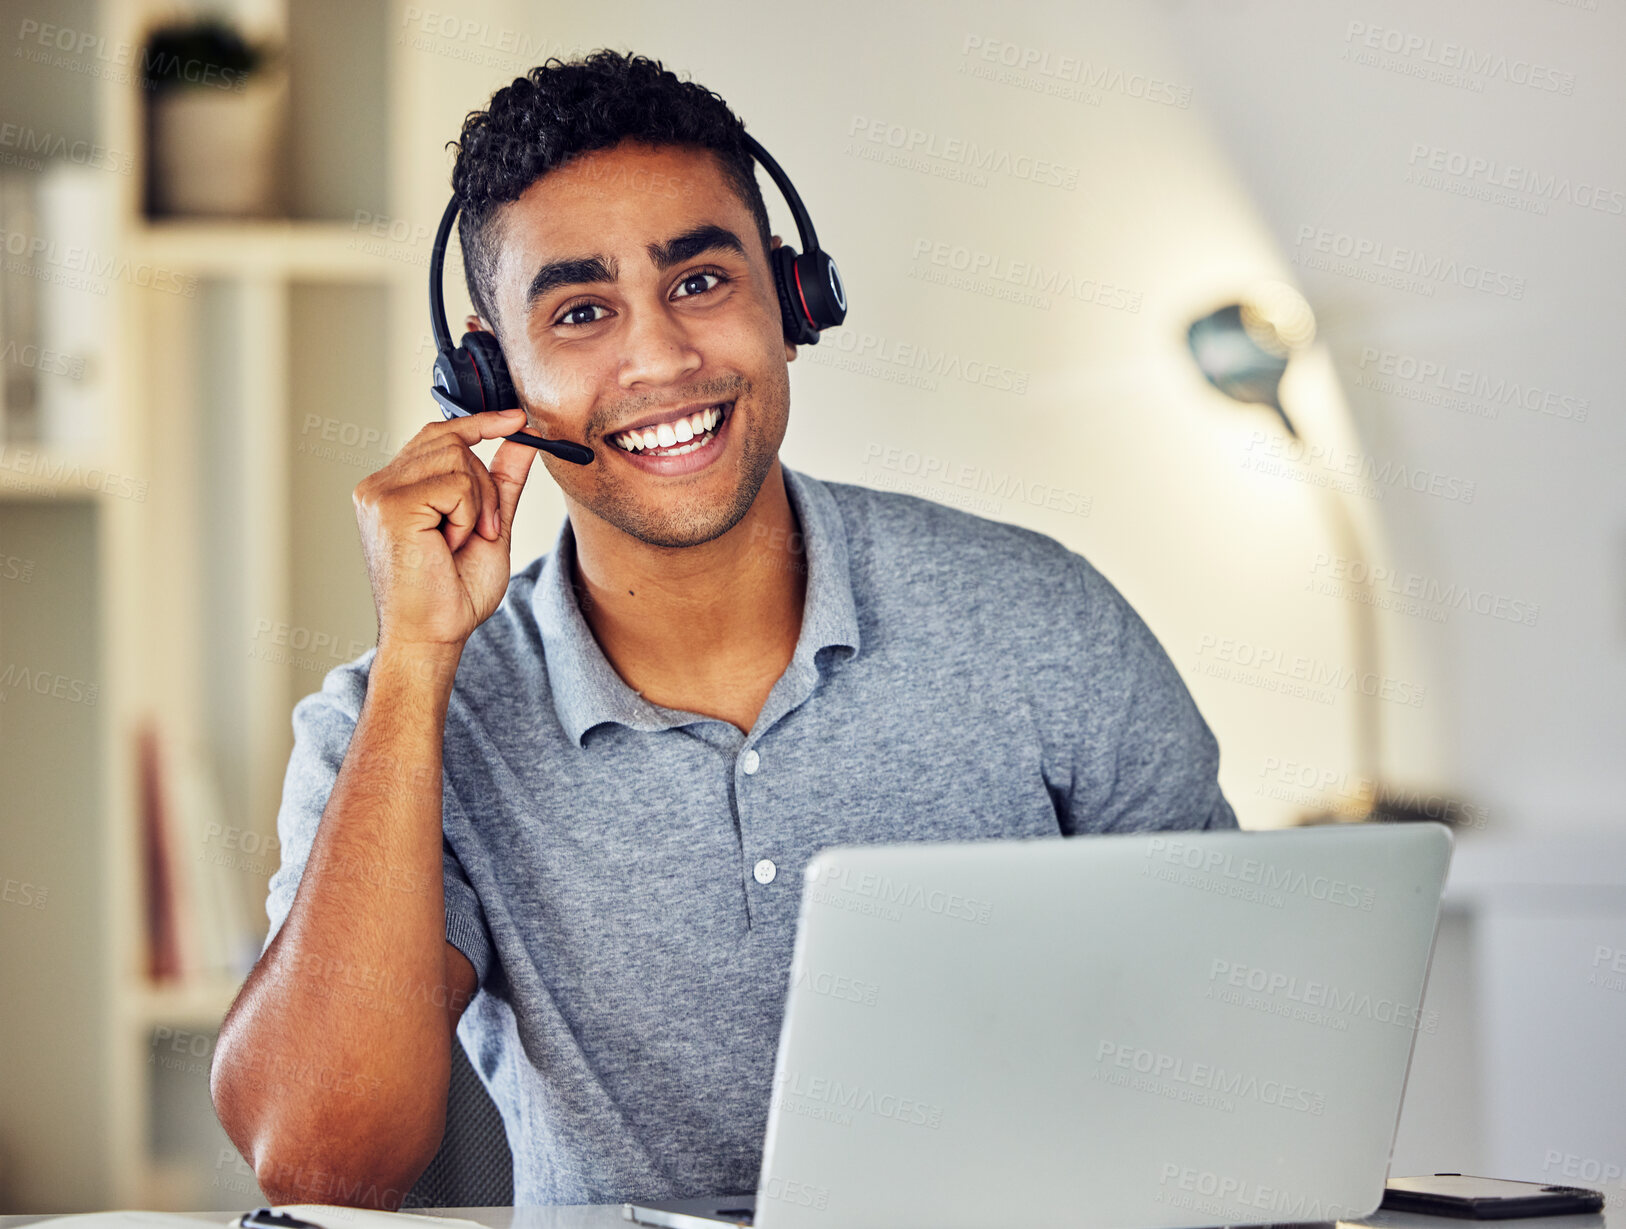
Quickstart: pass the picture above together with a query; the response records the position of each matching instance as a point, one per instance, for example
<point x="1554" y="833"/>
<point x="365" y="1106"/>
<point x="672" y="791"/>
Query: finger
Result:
<point x="444" y="457"/>
<point x="488" y="525"/>
<point x="510" y="466"/>
<point x="425" y="461"/>
<point x="453" y="496"/>
<point x="486" y="425"/>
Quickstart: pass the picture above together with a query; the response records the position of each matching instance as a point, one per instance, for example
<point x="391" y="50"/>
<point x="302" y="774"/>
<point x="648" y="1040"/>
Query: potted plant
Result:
<point x="217" y="108"/>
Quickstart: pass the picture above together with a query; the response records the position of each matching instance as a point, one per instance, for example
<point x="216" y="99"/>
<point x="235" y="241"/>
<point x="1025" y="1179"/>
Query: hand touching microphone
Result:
<point x="436" y="527"/>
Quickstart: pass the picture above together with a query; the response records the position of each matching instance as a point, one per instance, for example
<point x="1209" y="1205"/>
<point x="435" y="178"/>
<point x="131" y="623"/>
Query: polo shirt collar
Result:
<point x="587" y="690"/>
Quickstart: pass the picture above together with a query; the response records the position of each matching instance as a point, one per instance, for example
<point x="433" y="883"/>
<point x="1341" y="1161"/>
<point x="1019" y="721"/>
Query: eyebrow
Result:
<point x="586" y="270"/>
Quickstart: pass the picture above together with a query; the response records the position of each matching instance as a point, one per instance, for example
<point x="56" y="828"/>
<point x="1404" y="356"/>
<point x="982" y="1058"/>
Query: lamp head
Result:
<point x="1243" y="348"/>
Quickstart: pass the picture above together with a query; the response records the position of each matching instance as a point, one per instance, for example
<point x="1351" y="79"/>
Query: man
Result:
<point x="571" y="808"/>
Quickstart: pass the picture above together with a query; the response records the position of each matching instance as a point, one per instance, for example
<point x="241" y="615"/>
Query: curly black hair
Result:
<point x="560" y="109"/>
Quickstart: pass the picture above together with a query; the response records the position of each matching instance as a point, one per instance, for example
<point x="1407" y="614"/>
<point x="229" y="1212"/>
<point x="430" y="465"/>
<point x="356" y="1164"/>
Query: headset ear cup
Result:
<point x="496" y="385"/>
<point x="820" y="287"/>
<point x="798" y="330"/>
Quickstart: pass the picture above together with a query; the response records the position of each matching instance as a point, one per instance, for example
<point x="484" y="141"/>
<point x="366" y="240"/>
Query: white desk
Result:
<point x="608" y="1216"/>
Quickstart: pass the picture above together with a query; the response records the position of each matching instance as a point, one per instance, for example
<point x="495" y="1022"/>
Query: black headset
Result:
<point x="473" y="377"/>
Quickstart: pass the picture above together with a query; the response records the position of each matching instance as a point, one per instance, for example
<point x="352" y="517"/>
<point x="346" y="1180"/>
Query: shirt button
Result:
<point x="764" y="871"/>
<point x="749" y="762"/>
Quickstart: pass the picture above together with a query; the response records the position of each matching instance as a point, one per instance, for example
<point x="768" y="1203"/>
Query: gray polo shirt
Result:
<point x="625" y="877"/>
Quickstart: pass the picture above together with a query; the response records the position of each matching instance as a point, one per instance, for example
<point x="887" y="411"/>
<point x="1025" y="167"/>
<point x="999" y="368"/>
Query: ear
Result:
<point x="472" y="324"/>
<point x="790" y="350"/>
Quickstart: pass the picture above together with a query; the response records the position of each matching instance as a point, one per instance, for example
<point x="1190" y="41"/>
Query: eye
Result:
<point x="564" y="316"/>
<point x="697" y="275"/>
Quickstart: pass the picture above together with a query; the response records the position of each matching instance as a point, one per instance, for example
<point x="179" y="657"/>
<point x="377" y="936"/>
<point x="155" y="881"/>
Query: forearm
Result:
<point x="335" y="1058"/>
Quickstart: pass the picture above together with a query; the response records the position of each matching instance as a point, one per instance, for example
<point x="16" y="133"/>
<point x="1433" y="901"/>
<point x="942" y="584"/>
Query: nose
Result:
<point x="658" y="350"/>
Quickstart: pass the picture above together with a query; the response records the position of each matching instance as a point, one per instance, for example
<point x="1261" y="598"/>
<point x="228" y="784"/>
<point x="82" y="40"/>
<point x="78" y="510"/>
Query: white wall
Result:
<point x="1533" y="716"/>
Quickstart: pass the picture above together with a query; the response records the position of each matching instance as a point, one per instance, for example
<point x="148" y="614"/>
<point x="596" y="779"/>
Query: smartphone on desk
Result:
<point x="1464" y="1195"/>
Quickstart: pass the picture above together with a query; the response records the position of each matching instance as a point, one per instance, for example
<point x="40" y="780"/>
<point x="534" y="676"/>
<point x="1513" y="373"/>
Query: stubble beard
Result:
<point x="617" y="503"/>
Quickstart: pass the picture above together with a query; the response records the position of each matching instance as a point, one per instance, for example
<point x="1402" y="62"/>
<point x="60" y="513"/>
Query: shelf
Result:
<point x="190" y="489"/>
<point x="32" y="473"/>
<point x="309" y="250"/>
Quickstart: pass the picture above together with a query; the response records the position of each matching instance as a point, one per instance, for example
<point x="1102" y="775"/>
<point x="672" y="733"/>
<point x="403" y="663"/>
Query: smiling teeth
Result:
<point x="694" y="430"/>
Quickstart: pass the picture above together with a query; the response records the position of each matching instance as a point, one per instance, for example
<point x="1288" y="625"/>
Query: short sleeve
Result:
<point x="323" y="724"/>
<point x="1149" y="760"/>
<point x="466" y="928"/>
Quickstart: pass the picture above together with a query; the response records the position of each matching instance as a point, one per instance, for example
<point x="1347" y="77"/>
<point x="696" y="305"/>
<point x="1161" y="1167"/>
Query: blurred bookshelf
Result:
<point x="315" y="250"/>
<point x="179" y="564"/>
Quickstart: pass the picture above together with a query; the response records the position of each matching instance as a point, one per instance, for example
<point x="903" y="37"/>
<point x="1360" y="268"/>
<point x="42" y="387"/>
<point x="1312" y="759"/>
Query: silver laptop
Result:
<point x="1107" y="1032"/>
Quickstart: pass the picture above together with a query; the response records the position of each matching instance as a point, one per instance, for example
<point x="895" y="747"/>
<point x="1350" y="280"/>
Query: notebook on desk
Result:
<point x="1108" y="1032"/>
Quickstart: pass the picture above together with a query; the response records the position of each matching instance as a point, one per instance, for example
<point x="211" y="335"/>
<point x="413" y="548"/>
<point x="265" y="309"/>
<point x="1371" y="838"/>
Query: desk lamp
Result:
<point x="1244" y="348"/>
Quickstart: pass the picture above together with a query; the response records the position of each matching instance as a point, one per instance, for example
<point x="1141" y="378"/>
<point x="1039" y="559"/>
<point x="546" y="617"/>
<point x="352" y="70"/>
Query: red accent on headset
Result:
<point x="478" y="382"/>
<point x="797" y="269"/>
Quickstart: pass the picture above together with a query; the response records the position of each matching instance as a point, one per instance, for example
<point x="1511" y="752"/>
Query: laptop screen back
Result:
<point x="1123" y="1032"/>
